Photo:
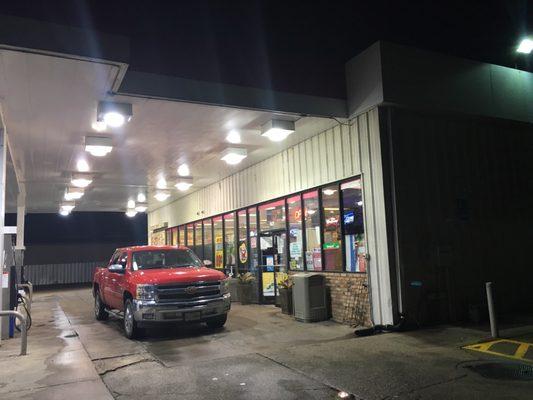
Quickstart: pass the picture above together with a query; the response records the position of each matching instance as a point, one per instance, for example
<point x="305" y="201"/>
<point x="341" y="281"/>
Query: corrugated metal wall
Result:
<point x="61" y="274"/>
<point x="340" y="152"/>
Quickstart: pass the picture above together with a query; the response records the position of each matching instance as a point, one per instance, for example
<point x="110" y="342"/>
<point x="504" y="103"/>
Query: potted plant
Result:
<point x="285" y="295"/>
<point x="245" y="287"/>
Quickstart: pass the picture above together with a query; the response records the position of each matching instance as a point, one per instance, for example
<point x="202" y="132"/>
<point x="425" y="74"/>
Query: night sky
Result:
<point x="294" y="46"/>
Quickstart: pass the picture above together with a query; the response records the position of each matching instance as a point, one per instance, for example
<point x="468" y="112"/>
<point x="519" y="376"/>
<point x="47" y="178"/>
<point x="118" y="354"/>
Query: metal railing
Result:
<point x="23" y="331"/>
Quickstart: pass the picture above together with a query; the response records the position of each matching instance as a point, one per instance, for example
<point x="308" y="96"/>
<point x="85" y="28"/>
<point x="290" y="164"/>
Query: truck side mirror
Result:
<point x="208" y="263"/>
<point x="118" y="268"/>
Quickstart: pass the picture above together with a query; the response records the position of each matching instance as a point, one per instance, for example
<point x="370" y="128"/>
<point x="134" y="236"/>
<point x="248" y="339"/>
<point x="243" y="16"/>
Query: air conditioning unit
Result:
<point x="309" y="297"/>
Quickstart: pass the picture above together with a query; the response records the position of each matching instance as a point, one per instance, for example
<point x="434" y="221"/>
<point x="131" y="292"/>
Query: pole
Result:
<point x="492" y="311"/>
<point x="23" y="330"/>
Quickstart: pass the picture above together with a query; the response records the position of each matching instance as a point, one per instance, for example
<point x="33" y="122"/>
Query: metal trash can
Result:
<point x="309" y="297"/>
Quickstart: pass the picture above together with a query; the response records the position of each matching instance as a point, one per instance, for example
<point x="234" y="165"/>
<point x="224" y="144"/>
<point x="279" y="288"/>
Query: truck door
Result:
<point x="116" y="282"/>
<point x="105" y="283"/>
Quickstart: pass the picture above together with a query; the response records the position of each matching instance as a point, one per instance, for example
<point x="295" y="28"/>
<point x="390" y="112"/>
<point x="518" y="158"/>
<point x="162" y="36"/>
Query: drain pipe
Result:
<point x="492" y="311"/>
<point x="23" y="332"/>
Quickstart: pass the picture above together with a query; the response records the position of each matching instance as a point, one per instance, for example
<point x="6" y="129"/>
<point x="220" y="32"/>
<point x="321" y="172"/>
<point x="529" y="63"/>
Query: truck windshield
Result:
<point x="155" y="259"/>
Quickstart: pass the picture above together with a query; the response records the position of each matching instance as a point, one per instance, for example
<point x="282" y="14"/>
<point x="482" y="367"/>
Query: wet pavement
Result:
<point x="259" y="354"/>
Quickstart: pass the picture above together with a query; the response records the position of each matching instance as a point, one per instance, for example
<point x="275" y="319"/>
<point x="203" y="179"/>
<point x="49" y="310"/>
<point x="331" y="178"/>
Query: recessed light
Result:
<point x="277" y="130"/>
<point x="73" y="194"/>
<point x="234" y="136"/>
<point x="233" y="155"/>
<point x="81" y="180"/>
<point x="162" y="195"/>
<point x="131" y="213"/>
<point x="98" y="146"/>
<point x="82" y="165"/>
<point x="184" y="184"/>
<point x="114" y="114"/>
<point x="183" y="170"/>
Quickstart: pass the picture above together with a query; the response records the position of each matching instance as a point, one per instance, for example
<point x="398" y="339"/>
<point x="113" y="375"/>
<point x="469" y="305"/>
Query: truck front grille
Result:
<point x="188" y="291"/>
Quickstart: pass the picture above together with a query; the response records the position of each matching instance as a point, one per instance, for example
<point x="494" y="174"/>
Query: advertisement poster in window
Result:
<point x="268" y="284"/>
<point x="243" y="252"/>
<point x="219" y="253"/>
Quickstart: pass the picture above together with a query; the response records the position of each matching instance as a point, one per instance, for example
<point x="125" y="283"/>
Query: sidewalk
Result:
<point x="57" y="366"/>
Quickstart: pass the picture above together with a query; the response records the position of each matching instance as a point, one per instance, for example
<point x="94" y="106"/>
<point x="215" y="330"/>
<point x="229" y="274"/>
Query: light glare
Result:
<point x="98" y="151"/>
<point x="183" y="170"/>
<point x="183" y="186"/>
<point x="161" y="196"/>
<point x="114" y="119"/>
<point x="81" y="182"/>
<point x="131" y="213"/>
<point x="141" y="197"/>
<point x="82" y="165"/>
<point x="526" y="46"/>
<point x="131" y="204"/>
<point x="99" y="126"/>
<point x="277" y="134"/>
<point x="161" y="183"/>
<point x="233" y="136"/>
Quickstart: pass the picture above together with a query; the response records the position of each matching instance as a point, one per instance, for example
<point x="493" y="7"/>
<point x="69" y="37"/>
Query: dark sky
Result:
<point x="293" y="46"/>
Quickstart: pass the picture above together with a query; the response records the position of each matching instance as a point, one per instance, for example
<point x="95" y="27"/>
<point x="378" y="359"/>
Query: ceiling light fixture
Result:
<point x="73" y="194"/>
<point x="99" y="126"/>
<point x="131" y="213"/>
<point x="64" y="212"/>
<point x="141" y="197"/>
<point x="526" y="46"/>
<point x="82" y="165"/>
<point x="162" y="195"/>
<point x="67" y="207"/>
<point x="141" y="208"/>
<point x="131" y="203"/>
<point x="234" y="136"/>
<point x="183" y="170"/>
<point x="98" y="146"/>
<point x="277" y="130"/>
<point x="81" y="180"/>
<point x="114" y="114"/>
<point x="184" y="184"/>
<point x="161" y="183"/>
<point x="233" y="155"/>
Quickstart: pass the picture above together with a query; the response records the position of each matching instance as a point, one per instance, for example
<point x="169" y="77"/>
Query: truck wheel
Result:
<point x="130" y="326"/>
<point x="217" y="322"/>
<point x="99" y="308"/>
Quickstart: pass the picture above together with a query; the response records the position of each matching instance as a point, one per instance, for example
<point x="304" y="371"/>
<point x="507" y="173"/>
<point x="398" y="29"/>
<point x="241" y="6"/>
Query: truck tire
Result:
<point x="131" y="330"/>
<point x="99" y="307"/>
<point x="217" y="322"/>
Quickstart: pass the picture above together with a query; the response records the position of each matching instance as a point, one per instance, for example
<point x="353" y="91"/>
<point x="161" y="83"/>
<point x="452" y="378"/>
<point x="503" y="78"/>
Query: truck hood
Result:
<point x="176" y="275"/>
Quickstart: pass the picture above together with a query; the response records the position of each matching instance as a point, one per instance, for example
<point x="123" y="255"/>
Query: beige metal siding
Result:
<point x="340" y="152"/>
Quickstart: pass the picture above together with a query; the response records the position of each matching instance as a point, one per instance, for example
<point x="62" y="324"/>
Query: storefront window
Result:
<point x="332" y="228"/>
<point x="353" y="226"/>
<point x="229" y="241"/>
<point x="272" y="216"/>
<point x="313" y="254"/>
<point x="208" y="240"/>
<point x="294" y="207"/>
<point x="243" y="242"/>
<point x="168" y="236"/>
<point x="252" y="223"/>
<point x="174" y="236"/>
<point x="198" y="242"/>
<point x="190" y="236"/>
<point x="181" y="235"/>
<point x="219" y="242"/>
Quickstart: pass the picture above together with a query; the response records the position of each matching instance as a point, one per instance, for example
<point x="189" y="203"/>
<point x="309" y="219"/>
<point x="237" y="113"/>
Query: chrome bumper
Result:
<point x="190" y="311"/>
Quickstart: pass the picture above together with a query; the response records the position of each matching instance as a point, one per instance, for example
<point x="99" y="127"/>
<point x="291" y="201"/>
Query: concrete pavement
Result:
<point x="260" y="354"/>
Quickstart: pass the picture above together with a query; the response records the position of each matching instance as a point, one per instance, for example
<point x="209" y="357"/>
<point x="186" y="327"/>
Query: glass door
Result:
<point x="273" y="264"/>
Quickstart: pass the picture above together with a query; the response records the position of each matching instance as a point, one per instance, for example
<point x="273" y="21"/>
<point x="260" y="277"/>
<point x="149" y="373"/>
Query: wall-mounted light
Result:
<point x="525" y="46"/>
<point x="98" y="146"/>
<point x="183" y="170"/>
<point x="233" y="155"/>
<point x="277" y="129"/>
<point x="184" y="184"/>
<point x="82" y="165"/>
<point x="234" y="136"/>
<point x="114" y="114"/>
<point x="162" y="195"/>
<point x="81" y="180"/>
<point x="131" y="213"/>
<point x="73" y="194"/>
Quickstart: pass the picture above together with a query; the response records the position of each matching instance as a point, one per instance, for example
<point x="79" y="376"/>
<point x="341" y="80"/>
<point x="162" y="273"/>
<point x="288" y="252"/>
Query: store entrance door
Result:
<point x="273" y="264"/>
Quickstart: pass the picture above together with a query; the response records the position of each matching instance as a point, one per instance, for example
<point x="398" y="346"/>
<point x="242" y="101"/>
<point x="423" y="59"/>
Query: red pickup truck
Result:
<point x="154" y="284"/>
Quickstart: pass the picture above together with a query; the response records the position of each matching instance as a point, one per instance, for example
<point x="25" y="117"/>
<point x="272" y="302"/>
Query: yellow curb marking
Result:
<point x="519" y="354"/>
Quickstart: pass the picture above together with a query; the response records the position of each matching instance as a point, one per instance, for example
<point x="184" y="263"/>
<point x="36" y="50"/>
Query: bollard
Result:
<point x="492" y="312"/>
<point x="23" y="331"/>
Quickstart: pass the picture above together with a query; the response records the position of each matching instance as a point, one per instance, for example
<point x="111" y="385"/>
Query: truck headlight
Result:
<point x="224" y="286"/>
<point x="145" y="292"/>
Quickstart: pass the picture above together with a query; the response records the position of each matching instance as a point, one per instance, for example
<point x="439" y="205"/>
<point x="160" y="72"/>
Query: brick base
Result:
<point x="349" y="298"/>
